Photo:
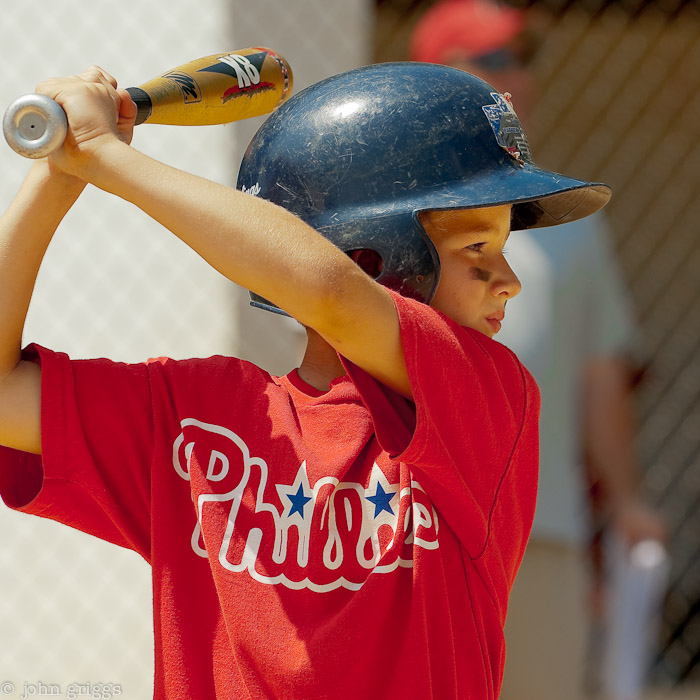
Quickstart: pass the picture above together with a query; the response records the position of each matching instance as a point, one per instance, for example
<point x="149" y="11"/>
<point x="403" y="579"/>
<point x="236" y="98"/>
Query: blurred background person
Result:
<point x="573" y="327"/>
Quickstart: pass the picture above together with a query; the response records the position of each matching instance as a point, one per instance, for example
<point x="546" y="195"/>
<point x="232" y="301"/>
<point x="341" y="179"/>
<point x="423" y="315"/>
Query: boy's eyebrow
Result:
<point x="475" y="230"/>
<point x="478" y="230"/>
<point x="450" y="224"/>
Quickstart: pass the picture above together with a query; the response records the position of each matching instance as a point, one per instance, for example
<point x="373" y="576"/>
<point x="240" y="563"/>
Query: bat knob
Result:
<point x="34" y="125"/>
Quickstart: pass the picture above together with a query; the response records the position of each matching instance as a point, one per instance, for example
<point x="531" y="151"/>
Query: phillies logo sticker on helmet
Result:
<point x="507" y="128"/>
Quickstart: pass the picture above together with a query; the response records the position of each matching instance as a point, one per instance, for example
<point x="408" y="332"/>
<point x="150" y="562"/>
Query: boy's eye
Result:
<point x="477" y="247"/>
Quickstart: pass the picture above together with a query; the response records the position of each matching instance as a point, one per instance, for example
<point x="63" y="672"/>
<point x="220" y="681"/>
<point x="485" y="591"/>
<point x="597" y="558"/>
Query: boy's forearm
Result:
<point x="254" y="243"/>
<point x="26" y="230"/>
<point x="266" y="249"/>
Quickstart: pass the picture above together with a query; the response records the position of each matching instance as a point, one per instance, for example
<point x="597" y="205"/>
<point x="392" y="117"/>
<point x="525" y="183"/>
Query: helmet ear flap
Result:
<point x="368" y="260"/>
<point x="409" y="261"/>
<point x="431" y="284"/>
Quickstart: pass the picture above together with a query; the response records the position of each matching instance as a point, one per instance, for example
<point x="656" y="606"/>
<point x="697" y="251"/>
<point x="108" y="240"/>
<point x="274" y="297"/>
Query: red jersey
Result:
<point x="304" y="544"/>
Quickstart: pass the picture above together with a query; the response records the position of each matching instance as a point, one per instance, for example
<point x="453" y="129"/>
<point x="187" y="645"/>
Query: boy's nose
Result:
<point x="505" y="282"/>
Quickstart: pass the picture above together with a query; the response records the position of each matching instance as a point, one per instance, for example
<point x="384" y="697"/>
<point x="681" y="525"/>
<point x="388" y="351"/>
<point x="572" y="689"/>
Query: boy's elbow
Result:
<point x="20" y="407"/>
<point x="335" y="302"/>
<point x="10" y="361"/>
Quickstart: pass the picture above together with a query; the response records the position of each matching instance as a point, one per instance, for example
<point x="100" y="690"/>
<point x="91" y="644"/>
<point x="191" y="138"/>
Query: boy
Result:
<point x="351" y="529"/>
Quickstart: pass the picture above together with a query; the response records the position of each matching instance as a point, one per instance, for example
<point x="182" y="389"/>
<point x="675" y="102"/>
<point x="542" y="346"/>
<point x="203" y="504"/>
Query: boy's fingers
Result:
<point x="126" y="115"/>
<point x="127" y="107"/>
<point x="95" y="74"/>
<point x="53" y="87"/>
<point x="50" y="87"/>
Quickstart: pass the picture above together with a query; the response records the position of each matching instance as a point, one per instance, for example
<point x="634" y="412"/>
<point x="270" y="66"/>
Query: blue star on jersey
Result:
<point x="299" y="500"/>
<point x="296" y="495"/>
<point x="381" y="500"/>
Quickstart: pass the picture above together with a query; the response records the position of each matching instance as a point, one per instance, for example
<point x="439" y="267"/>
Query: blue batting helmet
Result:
<point x="359" y="155"/>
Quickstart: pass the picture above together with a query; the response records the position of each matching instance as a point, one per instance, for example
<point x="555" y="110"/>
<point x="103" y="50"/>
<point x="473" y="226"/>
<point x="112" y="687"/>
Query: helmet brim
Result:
<point x="539" y="197"/>
<point x="550" y="199"/>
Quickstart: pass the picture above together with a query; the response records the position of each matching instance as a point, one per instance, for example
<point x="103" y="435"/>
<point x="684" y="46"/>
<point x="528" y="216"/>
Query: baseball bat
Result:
<point x="216" y="89"/>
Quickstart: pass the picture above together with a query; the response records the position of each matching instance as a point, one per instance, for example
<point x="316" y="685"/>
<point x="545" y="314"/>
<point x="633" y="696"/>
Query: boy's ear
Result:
<point x="368" y="260"/>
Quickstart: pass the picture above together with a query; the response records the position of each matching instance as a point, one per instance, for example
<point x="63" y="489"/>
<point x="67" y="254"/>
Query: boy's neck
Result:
<point x="321" y="364"/>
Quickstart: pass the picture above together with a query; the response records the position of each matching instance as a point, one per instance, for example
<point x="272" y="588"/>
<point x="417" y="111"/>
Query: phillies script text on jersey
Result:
<point x="321" y="536"/>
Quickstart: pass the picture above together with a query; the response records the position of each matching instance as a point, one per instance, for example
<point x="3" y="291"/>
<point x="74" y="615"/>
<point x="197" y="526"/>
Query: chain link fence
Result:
<point x="75" y="613"/>
<point x="619" y="101"/>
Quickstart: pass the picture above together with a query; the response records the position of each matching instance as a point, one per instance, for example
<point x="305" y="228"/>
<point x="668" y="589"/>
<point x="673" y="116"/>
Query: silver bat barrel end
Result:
<point x="34" y="125"/>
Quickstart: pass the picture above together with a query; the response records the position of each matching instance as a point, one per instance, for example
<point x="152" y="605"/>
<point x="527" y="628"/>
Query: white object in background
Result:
<point x="638" y="578"/>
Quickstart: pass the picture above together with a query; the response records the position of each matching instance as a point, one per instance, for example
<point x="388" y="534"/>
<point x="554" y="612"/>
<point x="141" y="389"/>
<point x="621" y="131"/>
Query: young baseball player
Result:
<point x="350" y="530"/>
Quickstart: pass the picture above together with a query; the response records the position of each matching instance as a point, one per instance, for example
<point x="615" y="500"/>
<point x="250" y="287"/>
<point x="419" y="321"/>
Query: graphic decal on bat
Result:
<point x="286" y="77"/>
<point x="245" y="69"/>
<point x="191" y="92"/>
<point x="507" y="128"/>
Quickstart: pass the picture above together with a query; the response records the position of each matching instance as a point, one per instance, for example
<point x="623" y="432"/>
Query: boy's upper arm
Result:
<point x="366" y="331"/>
<point x="20" y="408"/>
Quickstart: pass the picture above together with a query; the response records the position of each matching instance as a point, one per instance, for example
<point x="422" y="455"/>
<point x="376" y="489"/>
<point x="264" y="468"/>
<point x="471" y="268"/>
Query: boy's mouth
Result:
<point x="494" y="320"/>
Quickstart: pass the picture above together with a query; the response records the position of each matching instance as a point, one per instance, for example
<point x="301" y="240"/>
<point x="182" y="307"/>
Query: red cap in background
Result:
<point x="469" y="28"/>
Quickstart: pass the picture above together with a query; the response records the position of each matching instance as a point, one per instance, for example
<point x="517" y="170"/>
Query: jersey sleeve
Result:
<point x="471" y="436"/>
<point x="97" y="445"/>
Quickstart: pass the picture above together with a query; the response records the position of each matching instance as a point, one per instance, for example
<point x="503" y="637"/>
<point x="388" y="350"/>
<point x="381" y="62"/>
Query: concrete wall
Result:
<point x="73" y="609"/>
